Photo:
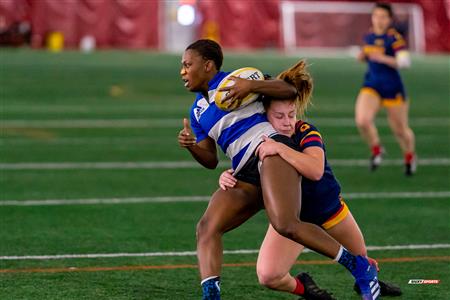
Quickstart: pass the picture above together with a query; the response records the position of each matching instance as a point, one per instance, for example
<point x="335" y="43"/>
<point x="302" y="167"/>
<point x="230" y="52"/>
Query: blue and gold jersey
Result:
<point x="381" y="78"/>
<point x="322" y="196"/>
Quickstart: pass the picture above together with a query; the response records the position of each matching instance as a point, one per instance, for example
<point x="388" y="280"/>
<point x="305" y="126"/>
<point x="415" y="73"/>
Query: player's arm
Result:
<point x="274" y="88"/>
<point x="204" y="151"/>
<point x="401" y="59"/>
<point x="310" y="163"/>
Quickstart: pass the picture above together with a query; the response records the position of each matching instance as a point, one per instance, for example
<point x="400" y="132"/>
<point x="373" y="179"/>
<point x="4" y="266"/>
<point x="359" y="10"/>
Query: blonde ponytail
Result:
<point x="299" y="77"/>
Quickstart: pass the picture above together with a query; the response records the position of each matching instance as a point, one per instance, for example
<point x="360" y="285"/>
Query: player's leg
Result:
<point x="276" y="257"/>
<point x="398" y="121"/>
<point x="281" y="194"/>
<point x="226" y="210"/>
<point x="282" y="200"/>
<point x="366" y="107"/>
<point x="347" y="233"/>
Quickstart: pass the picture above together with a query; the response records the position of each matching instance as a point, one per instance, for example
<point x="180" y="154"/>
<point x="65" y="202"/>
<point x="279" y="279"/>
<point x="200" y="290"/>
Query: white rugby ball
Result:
<point x="246" y="73"/>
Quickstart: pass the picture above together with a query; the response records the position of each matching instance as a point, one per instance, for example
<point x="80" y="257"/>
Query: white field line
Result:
<point x="192" y="164"/>
<point x="177" y="123"/>
<point x="178" y="199"/>
<point x="126" y="141"/>
<point x="90" y="109"/>
<point x="194" y="253"/>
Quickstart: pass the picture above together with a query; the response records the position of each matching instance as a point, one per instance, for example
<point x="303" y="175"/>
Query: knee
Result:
<point x="363" y="122"/>
<point x="400" y="131"/>
<point x="286" y="228"/>
<point x="204" y="229"/>
<point x="269" y="278"/>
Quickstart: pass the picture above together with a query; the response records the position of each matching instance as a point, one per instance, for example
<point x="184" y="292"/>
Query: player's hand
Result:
<point x="239" y="90"/>
<point x="186" y="138"/>
<point x="227" y="180"/>
<point x="373" y="262"/>
<point x="268" y="147"/>
<point x="361" y="56"/>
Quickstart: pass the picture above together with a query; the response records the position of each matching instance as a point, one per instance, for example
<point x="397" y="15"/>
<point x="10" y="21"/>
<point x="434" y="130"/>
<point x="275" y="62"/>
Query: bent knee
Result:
<point x="363" y="122"/>
<point x="286" y="229"/>
<point x="269" y="278"/>
<point x="205" y="229"/>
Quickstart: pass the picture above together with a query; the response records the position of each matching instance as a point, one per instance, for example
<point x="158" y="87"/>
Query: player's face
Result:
<point x="380" y="19"/>
<point x="283" y="115"/>
<point x="193" y="71"/>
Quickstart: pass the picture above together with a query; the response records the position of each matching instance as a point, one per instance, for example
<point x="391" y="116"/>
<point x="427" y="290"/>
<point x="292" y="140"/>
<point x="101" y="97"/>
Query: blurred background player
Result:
<point x="385" y="52"/>
<point x="321" y="201"/>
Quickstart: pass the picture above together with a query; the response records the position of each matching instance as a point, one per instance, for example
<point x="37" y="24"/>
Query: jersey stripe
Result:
<point x="313" y="132"/>
<point x="233" y="117"/>
<point x="235" y="131"/>
<point x="311" y="139"/>
<point x="251" y="137"/>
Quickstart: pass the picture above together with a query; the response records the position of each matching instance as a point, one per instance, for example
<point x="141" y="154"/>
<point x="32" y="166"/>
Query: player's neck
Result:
<point x="379" y="31"/>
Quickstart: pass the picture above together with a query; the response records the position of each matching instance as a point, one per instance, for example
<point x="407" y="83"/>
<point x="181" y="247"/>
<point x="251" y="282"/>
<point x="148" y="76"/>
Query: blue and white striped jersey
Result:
<point x="238" y="132"/>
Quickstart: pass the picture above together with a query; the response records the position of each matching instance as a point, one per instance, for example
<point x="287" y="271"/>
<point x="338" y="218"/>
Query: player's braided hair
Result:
<point x="209" y="50"/>
<point x="298" y="76"/>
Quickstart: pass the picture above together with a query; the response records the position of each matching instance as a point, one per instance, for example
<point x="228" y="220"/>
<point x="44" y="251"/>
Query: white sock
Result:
<point x="206" y="279"/>
<point x="338" y="256"/>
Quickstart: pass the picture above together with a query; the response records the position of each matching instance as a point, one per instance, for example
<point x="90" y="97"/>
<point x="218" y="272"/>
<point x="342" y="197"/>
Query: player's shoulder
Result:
<point x="394" y="34"/>
<point x="303" y="127"/>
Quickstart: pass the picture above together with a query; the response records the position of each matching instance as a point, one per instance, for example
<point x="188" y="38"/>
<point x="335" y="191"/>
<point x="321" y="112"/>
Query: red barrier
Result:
<point x="134" y="23"/>
<point x="116" y="23"/>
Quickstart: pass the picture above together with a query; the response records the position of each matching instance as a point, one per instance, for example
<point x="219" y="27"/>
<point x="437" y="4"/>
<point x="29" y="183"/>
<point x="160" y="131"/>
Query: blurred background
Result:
<point x="169" y="25"/>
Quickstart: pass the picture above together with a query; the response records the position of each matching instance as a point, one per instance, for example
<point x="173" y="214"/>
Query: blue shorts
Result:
<point x="328" y="219"/>
<point x="392" y="94"/>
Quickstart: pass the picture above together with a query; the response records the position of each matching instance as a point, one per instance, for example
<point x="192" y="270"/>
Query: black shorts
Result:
<point x="250" y="172"/>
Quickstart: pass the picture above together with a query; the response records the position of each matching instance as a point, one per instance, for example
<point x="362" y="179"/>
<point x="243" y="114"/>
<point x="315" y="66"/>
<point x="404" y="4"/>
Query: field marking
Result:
<point x="177" y="123"/>
<point x="194" y="266"/>
<point x="192" y="164"/>
<point x="178" y="199"/>
<point x="24" y="140"/>
<point x="194" y="253"/>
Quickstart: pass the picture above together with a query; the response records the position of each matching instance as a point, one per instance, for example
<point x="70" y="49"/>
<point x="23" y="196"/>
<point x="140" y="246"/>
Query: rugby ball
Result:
<point x="246" y="73"/>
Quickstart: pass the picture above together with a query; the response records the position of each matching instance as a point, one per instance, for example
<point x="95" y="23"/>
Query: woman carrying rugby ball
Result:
<point x="238" y="133"/>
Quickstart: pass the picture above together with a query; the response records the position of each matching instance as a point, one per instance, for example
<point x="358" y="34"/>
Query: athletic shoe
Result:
<point x="411" y="167"/>
<point x="366" y="278"/>
<point x="386" y="289"/>
<point x="312" y="291"/>
<point x="376" y="160"/>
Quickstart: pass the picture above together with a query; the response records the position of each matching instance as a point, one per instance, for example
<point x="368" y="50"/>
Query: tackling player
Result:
<point x="321" y="204"/>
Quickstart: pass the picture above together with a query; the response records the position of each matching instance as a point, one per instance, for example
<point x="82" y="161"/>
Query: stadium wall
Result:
<point x="113" y="23"/>
<point x="136" y="24"/>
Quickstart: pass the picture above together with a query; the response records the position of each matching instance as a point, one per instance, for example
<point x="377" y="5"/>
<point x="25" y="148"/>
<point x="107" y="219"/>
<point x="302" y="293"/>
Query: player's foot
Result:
<point x="410" y="165"/>
<point x="386" y="289"/>
<point x="366" y="278"/>
<point x="377" y="158"/>
<point x="312" y="291"/>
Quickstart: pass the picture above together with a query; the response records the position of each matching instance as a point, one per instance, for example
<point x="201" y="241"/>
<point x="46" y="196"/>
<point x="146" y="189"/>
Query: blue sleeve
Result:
<point x="309" y="136"/>
<point x="196" y="127"/>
